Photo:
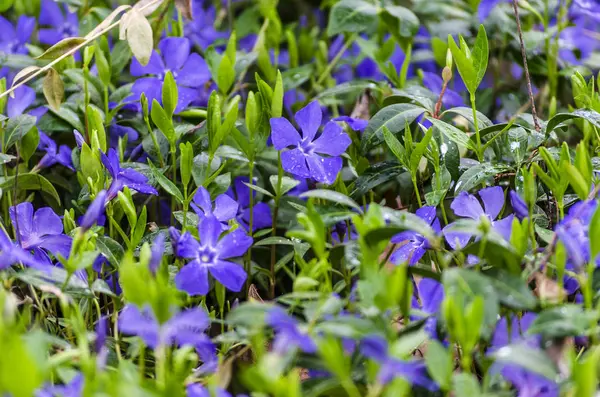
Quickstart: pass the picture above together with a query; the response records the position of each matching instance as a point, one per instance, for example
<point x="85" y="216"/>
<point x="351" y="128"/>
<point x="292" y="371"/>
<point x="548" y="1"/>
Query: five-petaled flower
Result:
<point x="304" y="156"/>
<point x="40" y="232"/>
<point x="225" y="208"/>
<point x="189" y="71"/>
<point x="122" y="177"/>
<point x="210" y="255"/>
<point x="59" y="25"/>
<point x="54" y="154"/>
<point x="413" y="245"/>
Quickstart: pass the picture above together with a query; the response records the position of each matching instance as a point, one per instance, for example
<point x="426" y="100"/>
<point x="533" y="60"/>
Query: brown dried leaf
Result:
<point x="547" y="289"/>
<point x="54" y="89"/>
<point x="185" y="8"/>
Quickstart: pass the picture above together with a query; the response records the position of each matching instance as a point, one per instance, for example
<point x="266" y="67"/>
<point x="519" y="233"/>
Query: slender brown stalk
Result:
<point x="524" y="55"/>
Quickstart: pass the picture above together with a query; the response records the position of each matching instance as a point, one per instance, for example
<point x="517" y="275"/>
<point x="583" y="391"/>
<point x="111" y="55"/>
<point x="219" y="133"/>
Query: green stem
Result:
<point x="476" y="124"/>
<point x="414" y="182"/>
<point x="274" y="226"/>
<point x="248" y="258"/>
<point x="351" y="39"/>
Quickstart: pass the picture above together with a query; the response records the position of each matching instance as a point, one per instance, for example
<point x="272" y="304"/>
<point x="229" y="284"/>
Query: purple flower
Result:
<point x="197" y="390"/>
<point x="486" y="7"/>
<point x="184" y="328"/>
<point x="102" y="267"/>
<point x="156" y="253"/>
<point x="201" y="30"/>
<point x="573" y="231"/>
<point x="72" y="389"/>
<point x="587" y="8"/>
<point x="434" y="83"/>
<point x="41" y="232"/>
<point x="304" y="157"/>
<point x="95" y="211"/>
<point x="431" y="295"/>
<point x="576" y="45"/>
<point x="289" y="333"/>
<point x="375" y="347"/>
<point x="357" y="125"/>
<point x="211" y="256"/>
<point x="528" y="383"/>
<point x="59" y="25"/>
<point x="413" y="245"/>
<point x="13" y="40"/>
<point x="224" y="209"/>
<point x="122" y="177"/>
<point x="466" y="205"/>
<point x="54" y="154"/>
<point x="23" y="99"/>
<point x="11" y="253"/>
<point x="261" y="211"/>
<point x="189" y="71"/>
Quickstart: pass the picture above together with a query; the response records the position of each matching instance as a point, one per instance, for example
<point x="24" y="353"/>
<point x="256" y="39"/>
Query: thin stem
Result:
<point x="274" y="226"/>
<point x="476" y="124"/>
<point x="536" y="123"/>
<point x="414" y="182"/>
<point x="336" y="58"/>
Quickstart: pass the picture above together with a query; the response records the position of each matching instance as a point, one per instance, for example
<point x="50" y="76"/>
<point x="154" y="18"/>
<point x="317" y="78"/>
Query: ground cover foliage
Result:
<point x="295" y="198"/>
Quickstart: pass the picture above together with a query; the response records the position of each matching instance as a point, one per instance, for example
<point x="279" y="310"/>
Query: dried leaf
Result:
<point x="62" y="47"/>
<point x="147" y="7"/>
<point x="185" y="8"/>
<point x="23" y="74"/>
<point x="139" y="36"/>
<point x="107" y="21"/>
<point x="54" y="89"/>
<point x="547" y="289"/>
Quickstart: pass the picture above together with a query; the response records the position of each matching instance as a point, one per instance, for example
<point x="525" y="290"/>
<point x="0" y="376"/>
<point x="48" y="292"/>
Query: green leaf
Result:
<point x="524" y="356"/>
<point x="54" y="89"/>
<point x="394" y="117"/>
<point x="395" y="146"/>
<point x="482" y="120"/>
<point x="165" y="183"/>
<point x="16" y="128"/>
<point x="586" y="114"/>
<point x="162" y="120"/>
<point x="61" y="48"/>
<point x="403" y="23"/>
<point x="375" y="176"/>
<point x="419" y="150"/>
<point x="259" y="189"/>
<point x="351" y="16"/>
<point x="287" y="184"/>
<point x="454" y="134"/>
<point x="29" y="144"/>
<point x="464" y="65"/>
<point x="277" y="102"/>
<point x="186" y="162"/>
<point x="331" y="195"/>
<point x="170" y="95"/>
<point x="577" y="181"/>
<point x="226" y="75"/>
<point x="480" y="55"/>
<point x="594" y="234"/>
<point x="439" y="363"/>
<point x="512" y="290"/>
<point x="33" y="182"/>
<point x="465" y="385"/>
<point x="476" y="175"/>
<point x="563" y="321"/>
<point x="96" y="125"/>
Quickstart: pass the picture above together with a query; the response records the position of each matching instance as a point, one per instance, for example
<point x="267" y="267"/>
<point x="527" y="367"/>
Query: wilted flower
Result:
<point x="261" y="211"/>
<point x="189" y="71"/>
<point x="224" y="209"/>
<point x="54" y="153"/>
<point x="375" y="347"/>
<point x="59" y="25"/>
<point x="413" y="245"/>
<point x="305" y="158"/>
<point x="41" y="232"/>
<point x="210" y="255"/>
<point x="122" y="177"/>
<point x="289" y="333"/>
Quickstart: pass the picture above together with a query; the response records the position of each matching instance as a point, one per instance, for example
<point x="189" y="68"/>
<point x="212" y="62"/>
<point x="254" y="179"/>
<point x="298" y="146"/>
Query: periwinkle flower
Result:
<point x="485" y="8"/>
<point x="156" y="252"/>
<point x="14" y="39"/>
<point x="375" y="347"/>
<point x="95" y="212"/>
<point x="357" y="125"/>
<point x="466" y="205"/>
<point x="303" y="156"/>
<point x="519" y="205"/>
<point x="573" y="232"/>
<point x="74" y="388"/>
<point x="122" y="177"/>
<point x="189" y="70"/>
<point x="12" y="253"/>
<point x="225" y="208"/>
<point x="201" y="30"/>
<point x="434" y="83"/>
<point x="431" y="295"/>
<point x="54" y="154"/>
<point x="413" y="245"/>
<point x="575" y="45"/>
<point x="184" y="328"/>
<point x="23" y="100"/>
<point x="60" y="24"/>
<point x="289" y="332"/>
<point x="40" y="232"/>
<point x="211" y="255"/>
<point x="197" y="390"/>
<point x="261" y="211"/>
<point x="586" y="8"/>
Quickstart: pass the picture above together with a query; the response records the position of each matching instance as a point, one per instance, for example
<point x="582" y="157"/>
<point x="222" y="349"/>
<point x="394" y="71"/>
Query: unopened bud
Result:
<point x="449" y="58"/>
<point x="447" y="74"/>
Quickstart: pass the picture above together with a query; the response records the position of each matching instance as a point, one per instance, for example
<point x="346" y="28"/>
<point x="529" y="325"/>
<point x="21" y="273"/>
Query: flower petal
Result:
<point x="50" y="14"/>
<point x="209" y="230"/>
<point x="225" y="208"/>
<point x="466" y="205"/>
<point x="493" y="200"/>
<point x="504" y="226"/>
<point x="294" y="162"/>
<point x="324" y="169"/>
<point x="174" y="52"/>
<point x="283" y="133"/>
<point x="203" y="200"/>
<point x="431" y="295"/>
<point x="132" y="321"/>
<point x="186" y="245"/>
<point x="21" y="217"/>
<point x="25" y="27"/>
<point x="186" y="327"/>
<point x="234" y="244"/>
<point x="194" y="73"/>
<point x="57" y="244"/>
<point x="24" y="97"/>
<point x="155" y="66"/>
<point x="230" y="275"/>
<point x="193" y="279"/>
<point x="333" y="141"/>
<point x="46" y="222"/>
<point x="309" y="120"/>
